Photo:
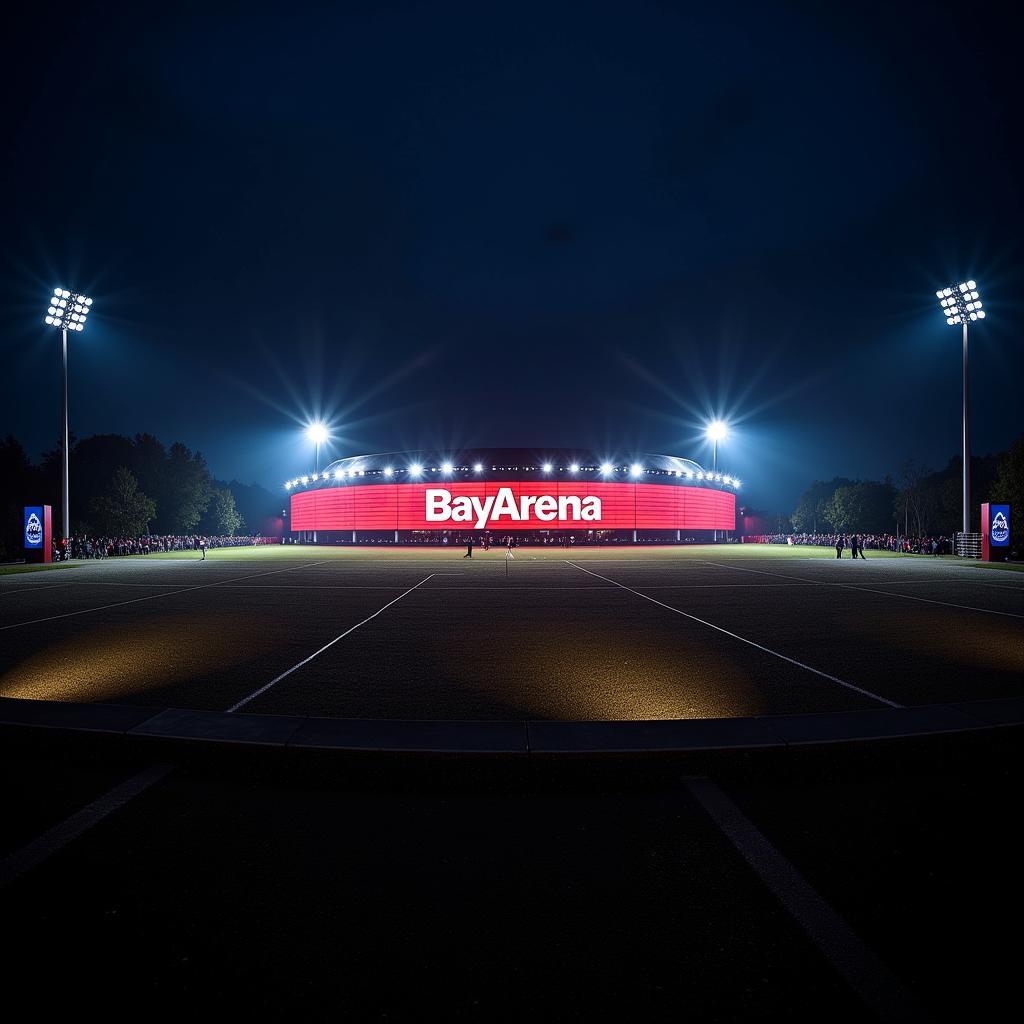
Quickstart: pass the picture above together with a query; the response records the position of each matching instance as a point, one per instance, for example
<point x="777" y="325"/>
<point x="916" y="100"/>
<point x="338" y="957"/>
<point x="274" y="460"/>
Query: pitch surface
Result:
<point x="553" y="634"/>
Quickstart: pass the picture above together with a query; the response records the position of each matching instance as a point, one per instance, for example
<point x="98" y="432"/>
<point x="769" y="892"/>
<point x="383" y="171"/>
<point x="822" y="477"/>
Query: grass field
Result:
<point x="13" y="570"/>
<point x="385" y="552"/>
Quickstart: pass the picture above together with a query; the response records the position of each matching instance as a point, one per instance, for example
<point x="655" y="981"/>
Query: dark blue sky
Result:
<point x="550" y="225"/>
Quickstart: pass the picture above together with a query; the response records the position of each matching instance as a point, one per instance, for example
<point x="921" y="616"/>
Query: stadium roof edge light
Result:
<point x="961" y="303"/>
<point x="512" y="463"/>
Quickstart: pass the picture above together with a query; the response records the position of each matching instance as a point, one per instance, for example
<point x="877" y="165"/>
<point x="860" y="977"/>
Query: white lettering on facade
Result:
<point x="442" y="507"/>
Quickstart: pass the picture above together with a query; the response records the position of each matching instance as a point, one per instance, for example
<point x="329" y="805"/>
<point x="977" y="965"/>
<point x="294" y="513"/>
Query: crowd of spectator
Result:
<point x="110" y="547"/>
<point x="870" y="541"/>
<point x="443" y="538"/>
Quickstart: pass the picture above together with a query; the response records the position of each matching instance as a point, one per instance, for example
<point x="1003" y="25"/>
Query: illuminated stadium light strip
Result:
<point x="417" y="470"/>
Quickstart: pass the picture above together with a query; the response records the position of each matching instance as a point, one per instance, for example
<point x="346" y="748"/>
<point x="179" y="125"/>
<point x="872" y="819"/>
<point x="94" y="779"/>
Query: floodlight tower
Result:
<point x="960" y="305"/>
<point x="317" y="433"/>
<point x="67" y="310"/>
<point x="717" y="430"/>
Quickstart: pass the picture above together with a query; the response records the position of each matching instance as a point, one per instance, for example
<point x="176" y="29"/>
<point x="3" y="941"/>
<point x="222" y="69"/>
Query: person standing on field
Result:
<point x="839" y="546"/>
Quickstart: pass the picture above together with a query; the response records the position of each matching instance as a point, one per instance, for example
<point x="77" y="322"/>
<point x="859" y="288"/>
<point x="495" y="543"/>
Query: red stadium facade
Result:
<point x="401" y="497"/>
<point x="413" y="506"/>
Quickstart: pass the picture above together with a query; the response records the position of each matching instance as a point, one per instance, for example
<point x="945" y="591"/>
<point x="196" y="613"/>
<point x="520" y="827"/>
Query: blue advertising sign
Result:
<point x="999" y="526"/>
<point x="33" y="526"/>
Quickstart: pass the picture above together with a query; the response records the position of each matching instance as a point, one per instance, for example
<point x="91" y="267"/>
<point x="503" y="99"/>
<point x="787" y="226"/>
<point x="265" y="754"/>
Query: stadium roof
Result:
<point x="498" y="463"/>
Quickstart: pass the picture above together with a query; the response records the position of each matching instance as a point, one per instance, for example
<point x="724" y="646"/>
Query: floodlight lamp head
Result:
<point x="717" y="430"/>
<point x="960" y="303"/>
<point x="317" y="433"/>
<point x="67" y="310"/>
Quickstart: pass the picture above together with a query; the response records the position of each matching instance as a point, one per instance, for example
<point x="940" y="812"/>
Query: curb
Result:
<point x="517" y="738"/>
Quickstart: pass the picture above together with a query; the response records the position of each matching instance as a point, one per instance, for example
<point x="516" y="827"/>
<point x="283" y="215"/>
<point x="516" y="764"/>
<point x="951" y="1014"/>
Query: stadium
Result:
<point x="558" y="495"/>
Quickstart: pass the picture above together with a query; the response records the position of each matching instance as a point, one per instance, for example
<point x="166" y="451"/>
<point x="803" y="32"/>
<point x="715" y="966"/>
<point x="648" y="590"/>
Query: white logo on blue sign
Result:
<point x="33" y="530"/>
<point x="1000" y="528"/>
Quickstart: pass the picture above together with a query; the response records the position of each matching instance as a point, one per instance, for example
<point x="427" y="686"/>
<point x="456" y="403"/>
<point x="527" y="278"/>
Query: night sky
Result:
<point x="444" y="225"/>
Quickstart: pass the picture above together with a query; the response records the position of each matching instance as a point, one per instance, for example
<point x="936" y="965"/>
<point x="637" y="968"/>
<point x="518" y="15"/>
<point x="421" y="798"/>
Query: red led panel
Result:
<point x="624" y="506"/>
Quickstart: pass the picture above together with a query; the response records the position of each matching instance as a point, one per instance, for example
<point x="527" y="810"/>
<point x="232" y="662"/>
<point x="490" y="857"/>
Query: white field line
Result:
<point x="868" y="590"/>
<point x="879" y="989"/>
<point x="957" y="582"/>
<point x="25" y="590"/>
<point x="55" y="839"/>
<point x="154" y="597"/>
<point x="315" y="654"/>
<point x="743" y="639"/>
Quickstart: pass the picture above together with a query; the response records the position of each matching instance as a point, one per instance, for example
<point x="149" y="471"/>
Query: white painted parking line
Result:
<point x="744" y="640"/>
<point x="316" y="654"/>
<point x="154" y="597"/>
<point x="868" y="590"/>
<point x="56" y="838"/>
<point x="879" y="989"/>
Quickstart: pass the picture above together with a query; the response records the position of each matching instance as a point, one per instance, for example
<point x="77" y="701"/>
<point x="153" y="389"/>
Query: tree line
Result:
<point x="127" y="487"/>
<point x="920" y="502"/>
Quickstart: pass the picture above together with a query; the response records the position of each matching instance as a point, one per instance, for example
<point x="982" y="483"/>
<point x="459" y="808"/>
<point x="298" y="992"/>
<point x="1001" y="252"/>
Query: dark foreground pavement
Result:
<point x="380" y="889"/>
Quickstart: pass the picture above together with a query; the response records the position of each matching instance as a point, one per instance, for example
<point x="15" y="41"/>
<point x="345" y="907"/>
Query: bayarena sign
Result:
<point x="423" y="496"/>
